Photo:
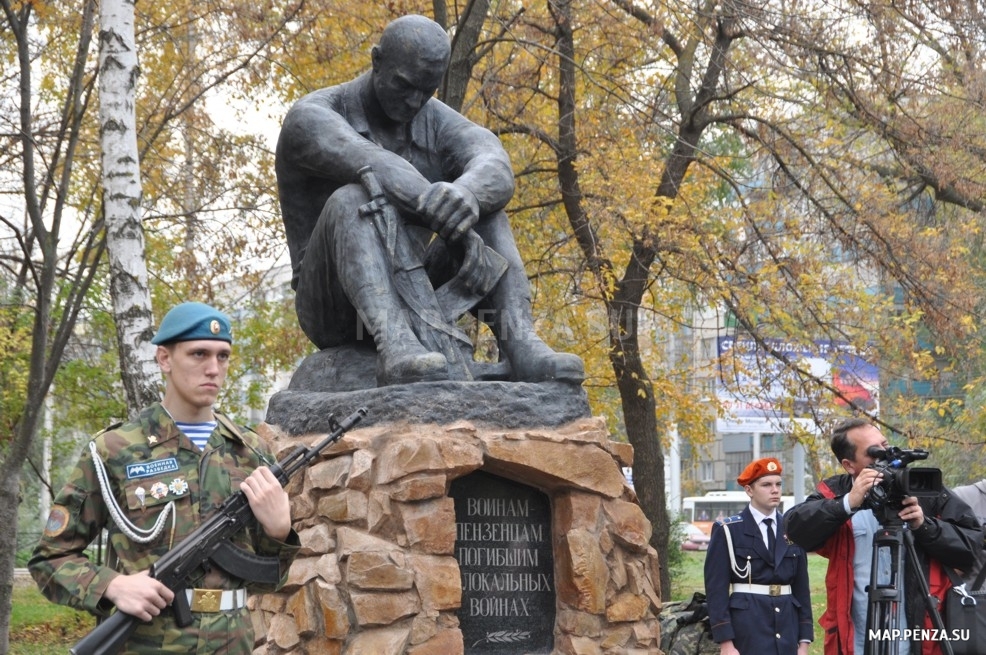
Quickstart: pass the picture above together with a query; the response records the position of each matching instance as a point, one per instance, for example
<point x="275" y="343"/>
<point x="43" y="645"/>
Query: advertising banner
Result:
<point x="754" y="384"/>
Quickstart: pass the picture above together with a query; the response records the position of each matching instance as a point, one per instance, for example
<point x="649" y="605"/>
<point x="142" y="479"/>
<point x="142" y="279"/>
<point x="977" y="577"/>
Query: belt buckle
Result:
<point x="775" y="590"/>
<point x="206" y="600"/>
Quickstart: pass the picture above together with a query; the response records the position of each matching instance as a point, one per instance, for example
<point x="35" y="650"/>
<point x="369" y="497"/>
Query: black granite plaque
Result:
<point x="503" y="546"/>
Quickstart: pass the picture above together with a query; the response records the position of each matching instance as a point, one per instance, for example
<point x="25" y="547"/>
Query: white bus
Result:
<point x="703" y="511"/>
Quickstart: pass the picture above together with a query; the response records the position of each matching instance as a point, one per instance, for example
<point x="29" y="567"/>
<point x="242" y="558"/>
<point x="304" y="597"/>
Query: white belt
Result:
<point x="762" y="589"/>
<point x="216" y="600"/>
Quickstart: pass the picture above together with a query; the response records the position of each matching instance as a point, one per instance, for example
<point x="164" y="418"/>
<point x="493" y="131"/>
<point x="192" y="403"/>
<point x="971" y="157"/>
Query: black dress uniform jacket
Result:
<point x="758" y="623"/>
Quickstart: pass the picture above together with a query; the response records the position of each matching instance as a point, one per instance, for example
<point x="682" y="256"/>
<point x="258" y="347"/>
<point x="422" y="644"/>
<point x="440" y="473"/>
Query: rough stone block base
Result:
<point x="378" y="574"/>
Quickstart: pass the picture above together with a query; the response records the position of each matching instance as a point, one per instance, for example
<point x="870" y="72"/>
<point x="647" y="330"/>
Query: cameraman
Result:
<point x="834" y="523"/>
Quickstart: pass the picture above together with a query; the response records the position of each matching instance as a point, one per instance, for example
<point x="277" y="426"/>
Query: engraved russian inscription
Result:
<point x="503" y="546"/>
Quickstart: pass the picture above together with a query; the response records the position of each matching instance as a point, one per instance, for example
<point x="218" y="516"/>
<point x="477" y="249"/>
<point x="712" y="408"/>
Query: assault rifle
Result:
<point x="210" y="541"/>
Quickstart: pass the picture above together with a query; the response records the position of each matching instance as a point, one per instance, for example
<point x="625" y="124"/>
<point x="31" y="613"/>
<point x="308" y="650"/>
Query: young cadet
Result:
<point x="151" y="482"/>
<point x="756" y="581"/>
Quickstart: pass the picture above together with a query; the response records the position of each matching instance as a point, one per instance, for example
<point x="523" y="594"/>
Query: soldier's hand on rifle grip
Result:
<point x="139" y="595"/>
<point x="269" y="502"/>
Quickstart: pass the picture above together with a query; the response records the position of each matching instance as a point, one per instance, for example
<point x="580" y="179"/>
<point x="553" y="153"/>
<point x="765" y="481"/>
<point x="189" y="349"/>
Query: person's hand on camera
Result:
<point x="866" y="480"/>
<point x="911" y="513"/>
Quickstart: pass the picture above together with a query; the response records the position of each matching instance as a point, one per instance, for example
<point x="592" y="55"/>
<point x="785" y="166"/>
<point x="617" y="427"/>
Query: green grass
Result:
<point x="688" y="577"/>
<point x="40" y="627"/>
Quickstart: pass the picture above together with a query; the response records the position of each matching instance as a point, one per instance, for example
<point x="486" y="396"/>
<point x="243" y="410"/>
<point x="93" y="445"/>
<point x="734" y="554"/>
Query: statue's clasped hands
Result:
<point x="452" y="211"/>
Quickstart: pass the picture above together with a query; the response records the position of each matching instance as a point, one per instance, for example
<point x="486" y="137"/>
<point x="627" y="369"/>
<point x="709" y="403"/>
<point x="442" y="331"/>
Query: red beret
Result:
<point x="758" y="469"/>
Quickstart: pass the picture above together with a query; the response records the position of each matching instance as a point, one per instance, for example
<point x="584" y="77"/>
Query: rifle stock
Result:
<point x="176" y="565"/>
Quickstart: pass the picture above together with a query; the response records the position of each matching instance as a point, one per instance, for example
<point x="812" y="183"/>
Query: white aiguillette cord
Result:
<point x="135" y="533"/>
<point x="740" y="572"/>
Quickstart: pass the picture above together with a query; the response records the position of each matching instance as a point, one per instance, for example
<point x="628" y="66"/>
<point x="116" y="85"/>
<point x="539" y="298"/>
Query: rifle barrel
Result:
<point x="108" y="637"/>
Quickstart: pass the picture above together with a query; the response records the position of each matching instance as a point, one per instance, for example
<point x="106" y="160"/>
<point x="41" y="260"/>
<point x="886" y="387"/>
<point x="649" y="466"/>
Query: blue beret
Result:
<point x="191" y="321"/>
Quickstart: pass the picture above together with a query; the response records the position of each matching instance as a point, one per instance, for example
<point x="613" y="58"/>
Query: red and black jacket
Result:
<point x="950" y="536"/>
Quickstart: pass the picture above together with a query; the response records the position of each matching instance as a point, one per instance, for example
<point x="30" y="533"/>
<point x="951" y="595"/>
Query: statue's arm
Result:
<point x="316" y="141"/>
<point x="479" y="162"/>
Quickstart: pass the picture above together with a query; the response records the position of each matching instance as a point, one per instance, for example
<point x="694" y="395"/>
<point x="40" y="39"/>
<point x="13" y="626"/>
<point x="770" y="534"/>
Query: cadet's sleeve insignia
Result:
<point x="57" y="521"/>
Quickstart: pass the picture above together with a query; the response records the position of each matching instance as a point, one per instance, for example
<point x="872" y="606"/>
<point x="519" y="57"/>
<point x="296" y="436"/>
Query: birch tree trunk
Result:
<point x="118" y="72"/>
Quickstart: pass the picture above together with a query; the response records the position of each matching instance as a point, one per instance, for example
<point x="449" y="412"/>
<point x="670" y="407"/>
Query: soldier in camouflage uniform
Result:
<point x="149" y="486"/>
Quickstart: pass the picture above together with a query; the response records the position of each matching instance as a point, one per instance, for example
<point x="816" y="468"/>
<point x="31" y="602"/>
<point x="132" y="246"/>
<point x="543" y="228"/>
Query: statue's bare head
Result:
<point x="408" y="64"/>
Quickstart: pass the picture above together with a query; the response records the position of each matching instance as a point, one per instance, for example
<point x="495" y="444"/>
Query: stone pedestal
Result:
<point x="379" y="574"/>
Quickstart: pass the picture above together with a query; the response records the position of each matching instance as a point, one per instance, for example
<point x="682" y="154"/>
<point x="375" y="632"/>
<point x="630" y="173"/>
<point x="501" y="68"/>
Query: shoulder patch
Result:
<point x="57" y="521"/>
<point x="731" y="519"/>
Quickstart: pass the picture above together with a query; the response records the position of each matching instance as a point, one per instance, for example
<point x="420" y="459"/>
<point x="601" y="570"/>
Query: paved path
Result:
<point x="22" y="578"/>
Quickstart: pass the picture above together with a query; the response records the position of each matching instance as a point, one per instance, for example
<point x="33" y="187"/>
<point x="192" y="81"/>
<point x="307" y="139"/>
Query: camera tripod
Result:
<point x="886" y="592"/>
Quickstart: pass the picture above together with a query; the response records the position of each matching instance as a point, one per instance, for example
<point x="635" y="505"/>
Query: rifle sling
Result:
<point x="246" y="565"/>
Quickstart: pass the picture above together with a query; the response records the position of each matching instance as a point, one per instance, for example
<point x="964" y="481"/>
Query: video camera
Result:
<point x="898" y="480"/>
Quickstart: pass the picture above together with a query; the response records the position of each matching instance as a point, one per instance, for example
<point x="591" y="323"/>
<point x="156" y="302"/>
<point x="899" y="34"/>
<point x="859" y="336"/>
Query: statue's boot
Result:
<point x="364" y="272"/>
<point x="403" y="366"/>
<point x="530" y="358"/>
<point x="401" y="358"/>
<point x="507" y="310"/>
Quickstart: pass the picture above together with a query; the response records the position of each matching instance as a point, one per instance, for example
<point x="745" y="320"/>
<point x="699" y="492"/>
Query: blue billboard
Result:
<point x="754" y="382"/>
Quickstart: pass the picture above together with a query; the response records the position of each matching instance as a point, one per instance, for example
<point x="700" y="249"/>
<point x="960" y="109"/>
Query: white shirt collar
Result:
<point x="759" y="516"/>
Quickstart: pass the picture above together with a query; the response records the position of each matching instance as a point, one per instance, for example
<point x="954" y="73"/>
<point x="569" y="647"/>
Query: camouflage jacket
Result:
<point x="149" y="462"/>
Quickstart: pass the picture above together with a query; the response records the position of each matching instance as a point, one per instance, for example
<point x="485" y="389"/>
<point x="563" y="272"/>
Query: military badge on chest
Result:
<point x="177" y="487"/>
<point x="159" y="490"/>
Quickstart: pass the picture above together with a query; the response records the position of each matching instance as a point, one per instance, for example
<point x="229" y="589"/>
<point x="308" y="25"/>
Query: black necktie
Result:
<point x="771" y="539"/>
